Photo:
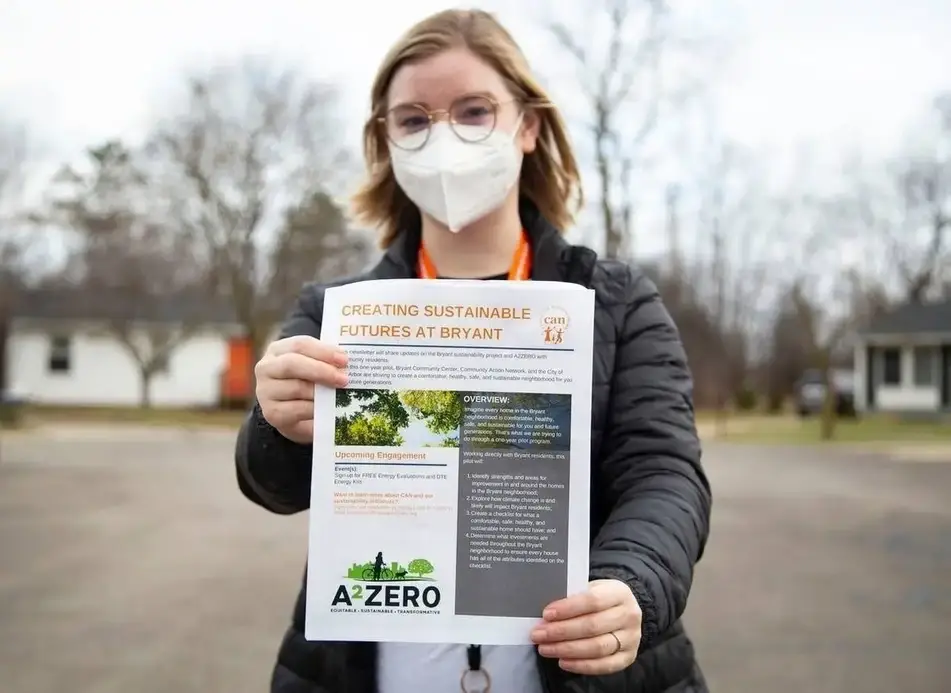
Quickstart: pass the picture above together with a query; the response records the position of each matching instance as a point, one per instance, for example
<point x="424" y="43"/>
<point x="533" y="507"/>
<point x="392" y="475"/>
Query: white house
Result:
<point x="903" y="361"/>
<point x="62" y="348"/>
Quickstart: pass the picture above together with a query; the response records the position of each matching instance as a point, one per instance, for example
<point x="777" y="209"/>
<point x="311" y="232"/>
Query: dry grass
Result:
<point x="792" y="430"/>
<point x="735" y="427"/>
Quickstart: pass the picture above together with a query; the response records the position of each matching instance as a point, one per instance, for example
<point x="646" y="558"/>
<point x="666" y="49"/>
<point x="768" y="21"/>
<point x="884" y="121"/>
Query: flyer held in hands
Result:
<point x="451" y="477"/>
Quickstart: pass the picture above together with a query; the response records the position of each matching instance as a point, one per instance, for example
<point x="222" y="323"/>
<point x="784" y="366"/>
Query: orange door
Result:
<point x="237" y="381"/>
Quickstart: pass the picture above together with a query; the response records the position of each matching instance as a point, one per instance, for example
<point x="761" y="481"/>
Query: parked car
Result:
<point x="811" y="392"/>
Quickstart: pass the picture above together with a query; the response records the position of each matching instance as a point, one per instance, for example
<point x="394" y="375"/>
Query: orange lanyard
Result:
<point x="520" y="270"/>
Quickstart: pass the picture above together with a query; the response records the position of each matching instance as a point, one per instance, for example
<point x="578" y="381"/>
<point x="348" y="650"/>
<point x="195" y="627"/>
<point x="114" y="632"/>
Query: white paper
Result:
<point x="450" y="496"/>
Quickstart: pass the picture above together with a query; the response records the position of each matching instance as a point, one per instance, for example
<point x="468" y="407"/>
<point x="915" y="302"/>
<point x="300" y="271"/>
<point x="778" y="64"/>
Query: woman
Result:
<point x="471" y="175"/>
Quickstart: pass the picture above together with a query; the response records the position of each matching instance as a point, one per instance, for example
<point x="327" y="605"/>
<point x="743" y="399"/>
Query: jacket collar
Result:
<point x="548" y="249"/>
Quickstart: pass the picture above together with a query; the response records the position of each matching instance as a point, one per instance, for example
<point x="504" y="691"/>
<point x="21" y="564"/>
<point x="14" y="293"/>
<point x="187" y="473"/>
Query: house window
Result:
<point x="60" y="353"/>
<point x="891" y="366"/>
<point x="925" y="370"/>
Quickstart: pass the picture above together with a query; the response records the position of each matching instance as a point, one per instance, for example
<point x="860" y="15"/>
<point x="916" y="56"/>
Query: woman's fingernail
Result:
<point x="548" y="614"/>
<point x="342" y="380"/>
<point x="340" y="358"/>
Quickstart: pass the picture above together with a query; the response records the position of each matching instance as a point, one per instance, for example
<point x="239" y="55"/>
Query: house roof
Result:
<point x="913" y="318"/>
<point x="62" y="303"/>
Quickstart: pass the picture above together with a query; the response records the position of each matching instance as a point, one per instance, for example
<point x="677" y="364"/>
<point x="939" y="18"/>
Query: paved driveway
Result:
<point x="133" y="564"/>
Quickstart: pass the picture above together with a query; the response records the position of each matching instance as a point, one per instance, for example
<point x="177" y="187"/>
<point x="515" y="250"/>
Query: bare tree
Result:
<point x="790" y="350"/>
<point x="13" y="158"/>
<point x="828" y="298"/>
<point x="904" y="207"/>
<point x="727" y="201"/>
<point x="13" y="154"/>
<point x="250" y="146"/>
<point x="624" y="69"/>
<point x="142" y="273"/>
<point x="736" y="225"/>
<point x="925" y="184"/>
<point x="316" y="230"/>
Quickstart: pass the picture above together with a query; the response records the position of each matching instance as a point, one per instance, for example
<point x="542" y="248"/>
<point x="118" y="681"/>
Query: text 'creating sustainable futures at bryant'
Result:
<point x="351" y="325"/>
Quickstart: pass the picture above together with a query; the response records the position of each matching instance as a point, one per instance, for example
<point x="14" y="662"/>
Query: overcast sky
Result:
<point x="85" y="69"/>
<point x="832" y="72"/>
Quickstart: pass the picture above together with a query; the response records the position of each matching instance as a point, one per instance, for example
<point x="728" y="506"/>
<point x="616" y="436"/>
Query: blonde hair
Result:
<point x="549" y="178"/>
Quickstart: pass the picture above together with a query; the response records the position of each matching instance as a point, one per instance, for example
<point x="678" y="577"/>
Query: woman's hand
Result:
<point x="597" y="632"/>
<point x="286" y="376"/>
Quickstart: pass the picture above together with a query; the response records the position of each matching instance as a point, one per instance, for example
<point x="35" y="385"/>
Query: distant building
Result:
<point x="903" y="361"/>
<point x="63" y="347"/>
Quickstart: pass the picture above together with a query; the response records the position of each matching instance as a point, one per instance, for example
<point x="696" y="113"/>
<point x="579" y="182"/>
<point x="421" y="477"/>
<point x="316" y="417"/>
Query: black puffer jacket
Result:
<point x="650" y="499"/>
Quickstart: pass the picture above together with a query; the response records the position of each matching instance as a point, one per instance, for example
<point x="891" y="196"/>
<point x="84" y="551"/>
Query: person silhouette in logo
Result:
<point x="378" y="566"/>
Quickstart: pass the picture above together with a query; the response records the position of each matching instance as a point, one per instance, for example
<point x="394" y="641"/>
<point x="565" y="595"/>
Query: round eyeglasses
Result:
<point x="472" y="118"/>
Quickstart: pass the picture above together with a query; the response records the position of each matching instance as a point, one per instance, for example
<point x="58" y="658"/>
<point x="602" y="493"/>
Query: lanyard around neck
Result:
<point x="520" y="270"/>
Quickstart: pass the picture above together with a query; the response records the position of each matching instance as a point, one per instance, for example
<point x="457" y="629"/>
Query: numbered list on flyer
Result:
<point x="450" y="492"/>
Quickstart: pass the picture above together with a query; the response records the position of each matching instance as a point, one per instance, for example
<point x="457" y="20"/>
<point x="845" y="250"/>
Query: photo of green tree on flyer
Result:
<point x="398" y="418"/>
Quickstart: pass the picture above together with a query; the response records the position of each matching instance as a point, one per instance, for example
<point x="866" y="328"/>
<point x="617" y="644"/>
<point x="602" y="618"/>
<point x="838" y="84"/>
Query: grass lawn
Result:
<point x="870" y="429"/>
<point x="40" y="415"/>
<point x="736" y="428"/>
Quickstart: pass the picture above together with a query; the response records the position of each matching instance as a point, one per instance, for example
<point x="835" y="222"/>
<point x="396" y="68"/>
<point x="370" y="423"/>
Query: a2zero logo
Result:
<point x="389" y="586"/>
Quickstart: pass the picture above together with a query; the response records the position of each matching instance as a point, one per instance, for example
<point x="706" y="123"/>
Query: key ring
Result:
<point x="487" y="681"/>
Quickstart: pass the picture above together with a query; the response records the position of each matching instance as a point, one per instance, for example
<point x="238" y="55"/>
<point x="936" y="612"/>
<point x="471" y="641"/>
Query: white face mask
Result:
<point x="458" y="182"/>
